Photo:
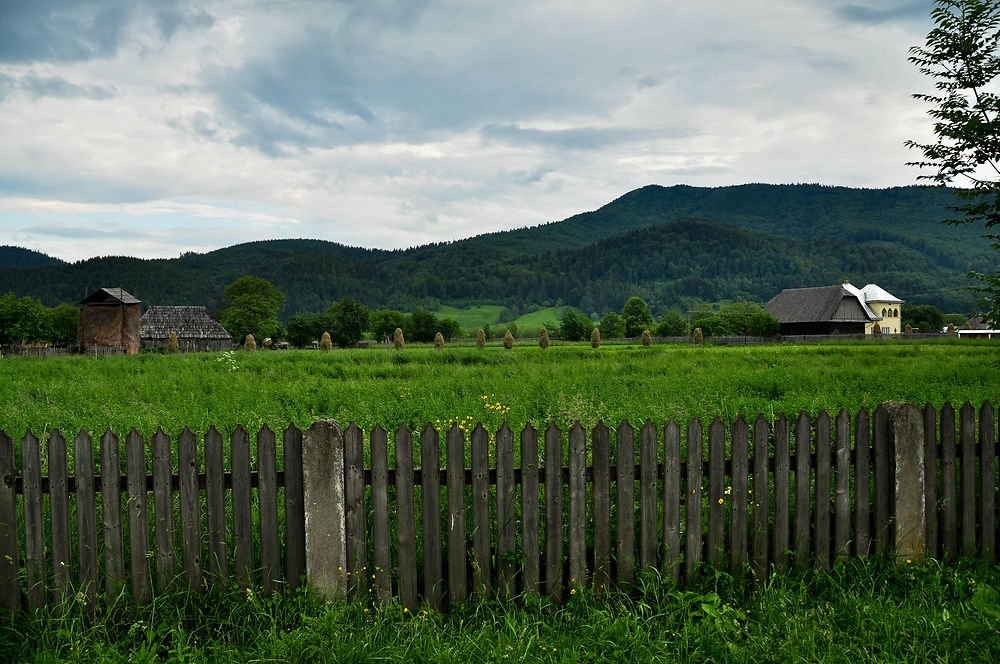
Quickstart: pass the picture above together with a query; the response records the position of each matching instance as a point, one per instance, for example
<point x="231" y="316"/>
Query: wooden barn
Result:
<point x="109" y="322"/>
<point x="195" y="329"/>
<point x="822" y="310"/>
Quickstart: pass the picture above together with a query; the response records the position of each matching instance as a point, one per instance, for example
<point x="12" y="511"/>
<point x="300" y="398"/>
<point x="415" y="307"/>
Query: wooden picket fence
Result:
<point x="568" y="510"/>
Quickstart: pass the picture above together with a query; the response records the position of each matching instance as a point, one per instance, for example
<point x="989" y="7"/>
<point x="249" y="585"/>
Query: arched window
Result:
<point x="895" y="312"/>
<point x="883" y="313"/>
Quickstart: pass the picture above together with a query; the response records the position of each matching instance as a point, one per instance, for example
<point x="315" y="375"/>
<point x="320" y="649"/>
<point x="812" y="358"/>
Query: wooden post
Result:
<point x="577" y="505"/>
<point x="355" y="514"/>
<point x="86" y="515"/>
<point x="671" y="499"/>
<point x="381" y="545"/>
<point x="430" y="502"/>
<point x="267" y="497"/>
<point x="529" y="510"/>
<point x="906" y="439"/>
<point x="601" y="455"/>
<point x="10" y="589"/>
<point x="323" y="487"/>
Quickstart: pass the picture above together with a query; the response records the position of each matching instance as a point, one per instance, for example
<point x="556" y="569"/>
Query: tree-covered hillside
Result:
<point x="672" y="246"/>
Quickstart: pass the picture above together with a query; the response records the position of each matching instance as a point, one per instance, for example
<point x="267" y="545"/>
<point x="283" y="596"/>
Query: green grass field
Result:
<point x="420" y="385"/>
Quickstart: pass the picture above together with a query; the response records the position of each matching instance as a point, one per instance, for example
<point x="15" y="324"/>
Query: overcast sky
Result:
<point x="151" y="128"/>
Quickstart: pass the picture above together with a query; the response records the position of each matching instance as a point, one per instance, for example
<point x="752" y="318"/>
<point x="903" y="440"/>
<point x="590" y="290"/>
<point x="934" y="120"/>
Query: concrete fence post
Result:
<point x="906" y="436"/>
<point x="325" y="508"/>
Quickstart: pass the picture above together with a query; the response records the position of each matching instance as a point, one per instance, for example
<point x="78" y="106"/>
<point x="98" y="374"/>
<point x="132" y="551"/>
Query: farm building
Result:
<point x="195" y="329"/>
<point x="109" y="322"/>
<point x="842" y="309"/>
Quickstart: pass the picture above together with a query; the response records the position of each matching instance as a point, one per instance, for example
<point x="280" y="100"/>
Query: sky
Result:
<point x="151" y="128"/>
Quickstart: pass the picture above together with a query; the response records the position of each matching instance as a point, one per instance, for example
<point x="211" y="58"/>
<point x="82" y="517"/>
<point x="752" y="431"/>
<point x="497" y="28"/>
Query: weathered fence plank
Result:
<point x="883" y="484"/>
<point x="62" y="559"/>
<point x="406" y="546"/>
<point x="531" y="574"/>
<point x="761" y="498"/>
<point x="601" y="459"/>
<point x="86" y="516"/>
<point x="862" y="483"/>
<point x="716" y="490"/>
<point x="803" y="489"/>
<point x="738" y="494"/>
<point x="187" y="465"/>
<point x="506" y="513"/>
<point x="949" y="486"/>
<point x="267" y="497"/>
<point x="648" y="512"/>
<point x="34" y="526"/>
<point x="295" y="523"/>
<point x="163" y="509"/>
<point x="138" y="516"/>
<point x="987" y="480"/>
<point x="842" y="486"/>
<point x="10" y="591"/>
<point x="482" y="569"/>
<point x="354" y="511"/>
<point x="577" y="505"/>
<point x="553" y="512"/>
<point x="381" y="543"/>
<point x="625" y="502"/>
<point x="782" y="493"/>
<point x="111" y="514"/>
<point x="931" y="479"/>
<point x="671" y="499"/>
<point x="967" y="434"/>
<point x="457" y="584"/>
<point x="215" y="506"/>
<point x="243" y="550"/>
<point x="822" y="490"/>
<point x="693" y="499"/>
<point x="323" y="500"/>
<point x="430" y="502"/>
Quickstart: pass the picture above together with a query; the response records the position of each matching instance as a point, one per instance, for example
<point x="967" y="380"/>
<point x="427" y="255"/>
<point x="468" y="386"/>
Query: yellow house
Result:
<point x="883" y="306"/>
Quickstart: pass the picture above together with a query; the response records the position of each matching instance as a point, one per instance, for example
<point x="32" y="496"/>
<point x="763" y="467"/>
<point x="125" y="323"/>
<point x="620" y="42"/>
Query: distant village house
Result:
<point x="196" y="330"/>
<point x="109" y="322"/>
<point x="843" y="309"/>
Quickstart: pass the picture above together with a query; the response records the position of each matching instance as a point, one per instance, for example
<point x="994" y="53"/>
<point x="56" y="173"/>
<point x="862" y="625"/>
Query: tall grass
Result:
<point x="861" y="611"/>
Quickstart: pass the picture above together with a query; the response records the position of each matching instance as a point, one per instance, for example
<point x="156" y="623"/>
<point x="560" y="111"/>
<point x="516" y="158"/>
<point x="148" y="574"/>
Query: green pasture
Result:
<point x="524" y="385"/>
<point x="471" y="317"/>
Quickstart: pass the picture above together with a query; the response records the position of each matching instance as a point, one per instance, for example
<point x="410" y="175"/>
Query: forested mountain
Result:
<point x="672" y="246"/>
<point x="20" y="257"/>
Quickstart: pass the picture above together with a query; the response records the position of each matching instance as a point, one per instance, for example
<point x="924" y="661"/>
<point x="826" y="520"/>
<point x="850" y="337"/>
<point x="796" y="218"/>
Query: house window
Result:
<point x="895" y="312"/>
<point x="883" y="313"/>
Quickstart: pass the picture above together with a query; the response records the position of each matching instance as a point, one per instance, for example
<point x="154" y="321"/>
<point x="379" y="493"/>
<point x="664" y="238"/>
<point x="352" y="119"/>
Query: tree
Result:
<point x="65" y="319"/>
<point x="449" y="328"/>
<point x="612" y="326"/>
<point x="925" y="317"/>
<point x="748" y="318"/>
<point x="23" y="320"/>
<point x="422" y="325"/>
<point x="574" y="326"/>
<point x="349" y="321"/>
<point x="636" y="317"/>
<point x="671" y="325"/>
<point x="383" y="323"/>
<point x="304" y="328"/>
<point x="250" y="306"/>
<point x="962" y="55"/>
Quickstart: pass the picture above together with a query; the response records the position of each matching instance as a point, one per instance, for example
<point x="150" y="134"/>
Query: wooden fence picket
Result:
<point x="862" y="483"/>
<point x="842" y="485"/>
<point x="672" y="494"/>
<point x="267" y="509"/>
<point x="354" y="513"/>
<point x="577" y="505"/>
<point x="822" y="491"/>
<point x="111" y="514"/>
<point x="949" y="485"/>
<point x="625" y="502"/>
<point x="86" y="516"/>
<point x="716" y="491"/>
<point x="10" y="592"/>
<point x="295" y="525"/>
<point x="243" y="550"/>
<point x="782" y="493"/>
<point x="967" y="434"/>
<point x="531" y="572"/>
<point x="601" y="459"/>
<point x="648" y="511"/>
<point x="406" y="545"/>
<point x="761" y="498"/>
<point x="381" y="545"/>
<point x="163" y="509"/>
<point x="931" y="456"/>
<point x="553" y="512"/>
<point x="506" y="513"/>
<point x="190" y="511"/>
<point x="430" y="502"/>
<point x="481" y="548"/>
<point x="138" y="517"/>
<point x="693" y="499"/>
<point x="455" y="459"/>
<point x="738" y="495"/>
<point x="987" y="481"/>
<point x="62" y="559"/>
<point x="803" y="489"/>
<point x="215" y="506"/>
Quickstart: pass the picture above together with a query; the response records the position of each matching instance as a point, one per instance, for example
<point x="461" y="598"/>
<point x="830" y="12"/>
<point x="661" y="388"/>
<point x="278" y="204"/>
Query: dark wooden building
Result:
<point x="195" y="329"/>
<point x="820" y="310"/>
<point x="109" y="322"/>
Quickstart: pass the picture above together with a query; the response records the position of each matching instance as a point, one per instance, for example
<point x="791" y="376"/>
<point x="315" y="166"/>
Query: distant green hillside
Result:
<point x="20" y="257"/>
<point x="673" y="246"/>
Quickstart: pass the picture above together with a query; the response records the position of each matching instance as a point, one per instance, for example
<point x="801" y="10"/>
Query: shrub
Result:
<point x="647" y="338"/>
<point x="325" y="342"/>
<point x="249" y="343"/>
<point x="543" y="339"/>
<point x="172" y="344"/>
<point x="397" y="339"/>
<point x="481" y="339"/>
<point x="595" y="338"/>
<point x="438" y="341"/>
<point x="697" y="336"/>
<point x="508" y="340"/>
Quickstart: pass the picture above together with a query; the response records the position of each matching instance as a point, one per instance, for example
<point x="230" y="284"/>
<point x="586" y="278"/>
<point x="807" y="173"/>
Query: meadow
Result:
<point x="462" y="384"/>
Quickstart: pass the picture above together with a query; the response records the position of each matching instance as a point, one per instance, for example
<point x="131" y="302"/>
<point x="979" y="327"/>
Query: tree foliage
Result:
<point x="574" y="326"/>
<point x="962" y="55"/>
<point x="636" y="317"/>
<point x="251" y="306"/>
<point x="349" y="320"/>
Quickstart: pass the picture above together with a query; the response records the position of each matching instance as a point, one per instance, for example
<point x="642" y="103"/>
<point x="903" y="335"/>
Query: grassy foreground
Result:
<point x="859" y="612"/>
<point x="526" y="384"/>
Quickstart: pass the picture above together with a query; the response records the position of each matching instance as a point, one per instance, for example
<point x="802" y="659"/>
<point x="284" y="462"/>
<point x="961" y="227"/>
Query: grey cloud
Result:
<point x="583" y="138"/>
<point x="85" y="232"/>
<point x="54" y="86"/>
<point x="877" y="15"/>
<point x="171" y="17"/>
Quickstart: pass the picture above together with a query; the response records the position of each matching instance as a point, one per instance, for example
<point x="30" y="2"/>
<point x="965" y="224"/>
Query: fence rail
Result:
<point x="488" y="512"/>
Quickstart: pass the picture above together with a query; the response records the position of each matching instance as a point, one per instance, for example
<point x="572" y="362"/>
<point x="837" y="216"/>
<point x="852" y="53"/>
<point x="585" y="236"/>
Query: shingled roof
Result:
<point x="187" y="322"/>
<point x="823" y="303"/>
<point x="110" y="296"/>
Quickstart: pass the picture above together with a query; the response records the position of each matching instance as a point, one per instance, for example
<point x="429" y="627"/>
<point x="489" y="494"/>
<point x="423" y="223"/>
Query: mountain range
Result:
<point x="672" y="246"/>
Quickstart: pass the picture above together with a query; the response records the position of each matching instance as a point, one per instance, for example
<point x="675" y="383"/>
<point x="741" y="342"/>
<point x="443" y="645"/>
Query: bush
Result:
<point x="574" y="326"/>
<point x="325" y="342"/>
<point x="438" y="341"/>
<point x="481" y="339"/>
<point x="595" y="338"/>
<point x="647" y="338"/>
<point x="697" y="336"/>
<point x="508" y="340"/>
<point x="249" y="343"/>
<point x="543" y="339"/>
<point x="397" y="339"/>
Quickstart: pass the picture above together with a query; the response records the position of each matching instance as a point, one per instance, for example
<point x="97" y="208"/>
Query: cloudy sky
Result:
<point x="151" y="128"/>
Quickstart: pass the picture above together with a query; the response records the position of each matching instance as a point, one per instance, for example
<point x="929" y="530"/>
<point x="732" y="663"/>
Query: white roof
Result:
<point x="861" y="298"/>
<point x="873" y="293"/>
